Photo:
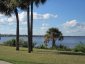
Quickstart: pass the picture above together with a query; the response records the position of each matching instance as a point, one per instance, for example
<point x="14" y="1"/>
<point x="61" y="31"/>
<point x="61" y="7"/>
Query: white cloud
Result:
<point x="10" y="22"/>
<point x="41" y="30"/>
<point x="11" y="19"/>
<point x="6" y="20"/>
<point x="70" y="23"/>
<point x="44" y="16"/>
<point x="1" y="20"/>
<point x="23" y="17"/>
<point x="1" y="15"/>
<point x="74" y="24"/>
<point x="36" y="16"/>
<point x="73" y="28"/>
<point x="44" y="27"/>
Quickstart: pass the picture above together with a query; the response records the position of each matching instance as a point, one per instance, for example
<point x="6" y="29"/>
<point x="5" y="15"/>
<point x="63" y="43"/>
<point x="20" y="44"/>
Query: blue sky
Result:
<point x="66" y="15"/>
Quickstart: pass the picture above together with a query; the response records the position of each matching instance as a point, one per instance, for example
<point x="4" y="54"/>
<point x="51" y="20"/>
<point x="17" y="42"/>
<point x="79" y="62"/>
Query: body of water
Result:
<point x="69" y="41"/>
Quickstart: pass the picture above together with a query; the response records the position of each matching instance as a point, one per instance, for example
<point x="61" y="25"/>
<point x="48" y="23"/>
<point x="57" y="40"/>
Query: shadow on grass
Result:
<point x="60" y="52"/>
<point x="23" y="50"/>
<point x="71" y="53"/>
<point x="45" y="52"/>
<point x="41" y="51"/>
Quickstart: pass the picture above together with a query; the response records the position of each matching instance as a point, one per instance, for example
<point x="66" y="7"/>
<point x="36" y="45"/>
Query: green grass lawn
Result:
<point x="38" y="56"/>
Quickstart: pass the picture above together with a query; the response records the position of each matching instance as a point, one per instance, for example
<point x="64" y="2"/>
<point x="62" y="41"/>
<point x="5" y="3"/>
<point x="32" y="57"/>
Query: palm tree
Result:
<point x="53" y="34"/>
<point x="31" y="24"/>
<point x="37" y="2"/>
<point x="25" y="4"/>
<point x="8" y="7"/>
<point x="0" y="36"/>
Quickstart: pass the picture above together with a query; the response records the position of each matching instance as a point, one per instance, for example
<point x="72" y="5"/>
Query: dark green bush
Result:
<point x="63" y="48"/>
<point x="25" y="44"/>
<point x="21" y="44"/>
<point x="10" y="43"/>
<point x="80" y="48"/>
<point x="34" y="44"/>
<point x="42" y="46"/>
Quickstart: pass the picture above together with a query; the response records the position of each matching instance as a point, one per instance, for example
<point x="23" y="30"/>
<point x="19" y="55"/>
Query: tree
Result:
<point x="8" y="7"/>
<point x="25" y="4"/>
<point x="0" y="36"/>
<point x="37" y="2"/>
<point x="53" y="34"/>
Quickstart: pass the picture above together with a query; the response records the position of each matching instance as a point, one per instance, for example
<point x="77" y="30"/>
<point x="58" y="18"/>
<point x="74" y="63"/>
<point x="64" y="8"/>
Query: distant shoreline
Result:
<point x="33" y="36"/>
<point x="20" y="35"/>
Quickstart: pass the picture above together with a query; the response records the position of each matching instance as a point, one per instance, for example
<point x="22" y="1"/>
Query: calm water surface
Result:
<point x="69" y="41"/>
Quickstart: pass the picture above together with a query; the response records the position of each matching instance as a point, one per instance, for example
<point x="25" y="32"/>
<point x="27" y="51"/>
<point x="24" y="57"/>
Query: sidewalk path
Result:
<point x="4" y="62"/>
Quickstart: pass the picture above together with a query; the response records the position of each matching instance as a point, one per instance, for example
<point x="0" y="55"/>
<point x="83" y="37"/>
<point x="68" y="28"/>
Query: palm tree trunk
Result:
<point x="28" y="30"/>
<point x="17" y="30"/>
<point x="53" y="43"/>
<point x="31" y="25"/>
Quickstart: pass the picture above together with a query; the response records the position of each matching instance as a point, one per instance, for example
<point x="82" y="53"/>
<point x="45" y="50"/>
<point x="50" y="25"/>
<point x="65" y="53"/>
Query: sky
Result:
<point x="66" y="15"/>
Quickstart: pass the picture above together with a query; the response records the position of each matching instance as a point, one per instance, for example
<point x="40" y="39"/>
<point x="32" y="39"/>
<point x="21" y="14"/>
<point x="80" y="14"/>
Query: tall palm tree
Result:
<point x="31" y="24"/>
<point x="53" y="34"/>
<point x="0" y="36"/>
<point x="8" y="7"/>
<point x="25" y="4"/>
<point x="17" y="29"/>
<point x="37" y="2"/>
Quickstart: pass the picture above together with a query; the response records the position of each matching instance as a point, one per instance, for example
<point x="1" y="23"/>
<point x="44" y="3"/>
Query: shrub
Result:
<point x="24" y="44"/>
<point x="42" y="47"/>
<point x="63" y="48"/>
<point x="80" y="48"/>
<point x="21" y="44"/>
<point x="10" y="43"/>
<point x="34" y="44"/>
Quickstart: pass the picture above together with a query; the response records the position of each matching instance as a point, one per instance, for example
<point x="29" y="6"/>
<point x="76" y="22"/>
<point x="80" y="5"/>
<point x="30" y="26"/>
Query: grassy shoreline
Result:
<point x="38" y="56"/>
